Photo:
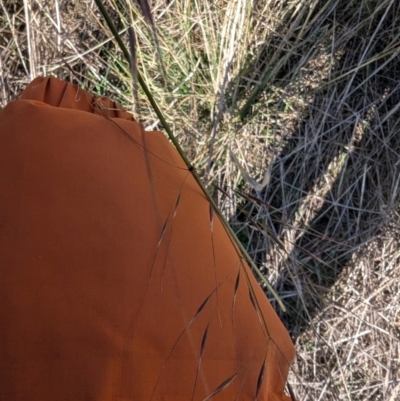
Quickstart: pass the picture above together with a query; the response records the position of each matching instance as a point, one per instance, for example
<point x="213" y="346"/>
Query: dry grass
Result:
<point x="311" y="88"/>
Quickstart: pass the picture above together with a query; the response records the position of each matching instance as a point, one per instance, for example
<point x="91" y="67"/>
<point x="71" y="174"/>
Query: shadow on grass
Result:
<point x="349" y="143"/>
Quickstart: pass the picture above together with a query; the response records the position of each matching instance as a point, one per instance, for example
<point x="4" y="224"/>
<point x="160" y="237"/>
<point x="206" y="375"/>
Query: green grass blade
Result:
<point x="183" y="155"/>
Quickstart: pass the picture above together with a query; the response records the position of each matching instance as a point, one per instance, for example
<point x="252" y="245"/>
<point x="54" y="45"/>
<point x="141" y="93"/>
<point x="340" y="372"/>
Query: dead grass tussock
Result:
<point x="353" y="341"/>
<point x="310" y="88"/>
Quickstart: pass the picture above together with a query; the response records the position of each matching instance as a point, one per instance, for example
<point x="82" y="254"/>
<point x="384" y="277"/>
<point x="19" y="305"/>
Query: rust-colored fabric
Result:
<point x="117" y="283"/>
